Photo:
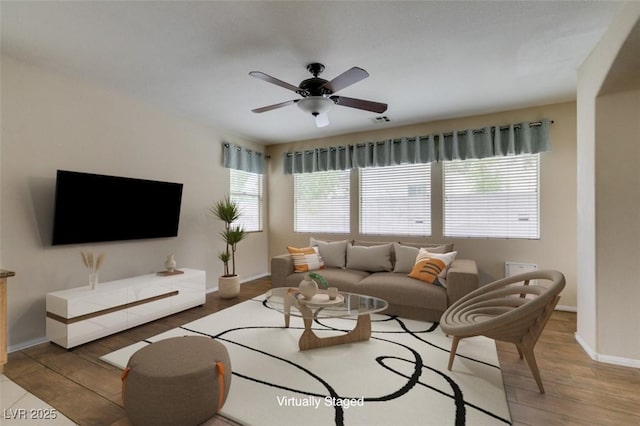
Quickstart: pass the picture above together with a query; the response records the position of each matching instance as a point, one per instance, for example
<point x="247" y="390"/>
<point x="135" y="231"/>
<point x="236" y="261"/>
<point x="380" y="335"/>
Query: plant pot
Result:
<point x="229" y="287"/>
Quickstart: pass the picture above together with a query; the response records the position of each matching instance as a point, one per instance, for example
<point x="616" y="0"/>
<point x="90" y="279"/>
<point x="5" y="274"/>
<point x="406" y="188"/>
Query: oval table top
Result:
<point x="345" y="305"/>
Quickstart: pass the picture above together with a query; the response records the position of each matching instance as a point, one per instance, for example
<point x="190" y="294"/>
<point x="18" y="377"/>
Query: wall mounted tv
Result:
<point x="93" y="208"/>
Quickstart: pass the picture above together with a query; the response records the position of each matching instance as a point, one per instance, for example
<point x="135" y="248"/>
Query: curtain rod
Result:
<point x="534" y="124"/>
<point x="239" y="148"/>
<point x="397" y="140"/>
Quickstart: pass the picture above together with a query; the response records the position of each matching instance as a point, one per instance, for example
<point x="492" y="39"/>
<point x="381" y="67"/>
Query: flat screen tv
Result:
<point x="92" y="208"/>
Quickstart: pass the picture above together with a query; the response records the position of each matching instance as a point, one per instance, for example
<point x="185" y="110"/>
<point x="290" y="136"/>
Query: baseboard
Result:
<point x="607" y="359"/>
<point x="616" y="360"/>
<point x="592" y="354"/>
<point x="255" y="277"/>
<point x="566" y="308"/>
<point x="29" y="343"/>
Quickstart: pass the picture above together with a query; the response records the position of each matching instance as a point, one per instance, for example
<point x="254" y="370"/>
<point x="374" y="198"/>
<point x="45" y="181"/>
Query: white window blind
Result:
<point x="246" y="190"/>
<point x="495" y="197"/>
<point x="396" y="200"/>
<point x="321" y="202"/>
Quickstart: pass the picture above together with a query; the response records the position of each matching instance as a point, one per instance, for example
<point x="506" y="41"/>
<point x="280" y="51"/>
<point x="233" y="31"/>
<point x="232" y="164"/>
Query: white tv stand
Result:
<point x="79" y="315"/>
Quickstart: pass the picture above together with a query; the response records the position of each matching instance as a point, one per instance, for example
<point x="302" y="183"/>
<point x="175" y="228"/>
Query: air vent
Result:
<point x="381" y="119"/>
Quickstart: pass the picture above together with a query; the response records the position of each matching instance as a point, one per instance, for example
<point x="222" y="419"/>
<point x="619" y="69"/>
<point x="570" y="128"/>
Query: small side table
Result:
<point x="3" y="316"/>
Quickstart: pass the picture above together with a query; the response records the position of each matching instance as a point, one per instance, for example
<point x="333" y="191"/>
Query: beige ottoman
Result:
<point x="176" y="381"/>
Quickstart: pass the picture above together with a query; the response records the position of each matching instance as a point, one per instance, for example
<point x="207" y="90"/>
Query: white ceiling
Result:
<point x="426" y="60"/>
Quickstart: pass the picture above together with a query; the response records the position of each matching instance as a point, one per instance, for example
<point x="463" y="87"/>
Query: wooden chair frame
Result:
<point x="509" y="310"/>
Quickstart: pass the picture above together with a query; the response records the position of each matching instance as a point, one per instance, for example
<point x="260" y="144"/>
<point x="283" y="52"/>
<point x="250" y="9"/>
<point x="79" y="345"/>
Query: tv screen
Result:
<point x="93" y="208"/>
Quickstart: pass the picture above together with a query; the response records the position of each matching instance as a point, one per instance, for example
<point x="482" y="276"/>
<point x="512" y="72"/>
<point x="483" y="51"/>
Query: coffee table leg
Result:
<point x="288" y="299"/>
<point x="361" y="332"/>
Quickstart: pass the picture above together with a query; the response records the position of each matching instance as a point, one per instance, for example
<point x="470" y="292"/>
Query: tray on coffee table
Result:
<point x="319" y="300"/>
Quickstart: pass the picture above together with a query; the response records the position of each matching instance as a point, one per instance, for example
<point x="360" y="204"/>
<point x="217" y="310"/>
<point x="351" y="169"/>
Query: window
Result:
<point x="321" y="202"/>
<point x="495" y="197"/>
<point x="246" y="190"/>
<point x="396" y="200"/>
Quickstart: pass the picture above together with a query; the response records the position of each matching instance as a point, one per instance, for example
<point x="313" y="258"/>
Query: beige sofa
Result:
<point x="364" y="270"/>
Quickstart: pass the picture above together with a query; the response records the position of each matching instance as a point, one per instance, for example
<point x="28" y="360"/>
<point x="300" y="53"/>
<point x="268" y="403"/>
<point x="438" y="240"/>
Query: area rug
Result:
<point x="398" y="377"/>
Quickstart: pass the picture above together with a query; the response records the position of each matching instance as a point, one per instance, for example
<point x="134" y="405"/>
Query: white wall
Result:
<point x="607" y="326"/>
<point x="51" y="122"/>
<point x="618" y="223"/>
<point x="554" y="250"/>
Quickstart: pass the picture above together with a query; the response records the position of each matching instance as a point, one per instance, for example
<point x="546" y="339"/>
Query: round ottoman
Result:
<point x="176" y="381"/>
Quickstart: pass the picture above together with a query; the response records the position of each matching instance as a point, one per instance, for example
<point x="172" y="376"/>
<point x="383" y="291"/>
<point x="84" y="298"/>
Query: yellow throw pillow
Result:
<point x="306" y="259"/>
<point x="432" y="267"/>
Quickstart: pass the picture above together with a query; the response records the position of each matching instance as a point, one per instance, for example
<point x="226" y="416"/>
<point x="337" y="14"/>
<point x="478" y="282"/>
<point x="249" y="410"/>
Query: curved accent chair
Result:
<point x="509" y="310"/>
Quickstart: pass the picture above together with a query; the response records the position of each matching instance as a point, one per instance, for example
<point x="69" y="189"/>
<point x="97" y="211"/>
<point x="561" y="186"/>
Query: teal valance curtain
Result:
<point x="240" y="158"/>
<point x="514" y="139"/>
<point x="491" y="141"/>
<point x="393" y="152"/>
<point x="318" y="160"/>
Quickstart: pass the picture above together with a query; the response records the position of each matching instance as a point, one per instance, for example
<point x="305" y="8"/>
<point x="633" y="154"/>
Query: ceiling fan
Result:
<point x="318" y="94"/>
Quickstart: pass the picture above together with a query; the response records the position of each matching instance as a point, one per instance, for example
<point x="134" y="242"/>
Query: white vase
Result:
<point x="308" y="288"/>
<point x="170" y="263"/>
<point x="93" y="279"/>
<point x="229" y="287"/>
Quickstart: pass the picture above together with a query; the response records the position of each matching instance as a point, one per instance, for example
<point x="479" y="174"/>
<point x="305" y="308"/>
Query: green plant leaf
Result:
<point x="234" y="235"/>
<point x="226" y="210"/>
<point x="319" y="279"/>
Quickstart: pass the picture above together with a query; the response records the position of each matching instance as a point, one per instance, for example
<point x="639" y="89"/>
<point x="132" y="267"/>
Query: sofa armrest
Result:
<point x="462" y="278"/>
<point x="281" y="268"/>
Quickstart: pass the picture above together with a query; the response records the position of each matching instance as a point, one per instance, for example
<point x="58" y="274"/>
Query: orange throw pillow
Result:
<point x="306" y="259"/>
<point x="431" y="266"/>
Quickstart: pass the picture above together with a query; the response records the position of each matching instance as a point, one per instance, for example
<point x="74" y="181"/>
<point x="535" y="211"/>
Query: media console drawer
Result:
<point x="79" y="315"/>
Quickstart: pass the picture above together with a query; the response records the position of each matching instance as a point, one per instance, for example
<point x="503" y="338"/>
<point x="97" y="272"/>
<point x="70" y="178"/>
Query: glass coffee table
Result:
<point x="282" y="299"/>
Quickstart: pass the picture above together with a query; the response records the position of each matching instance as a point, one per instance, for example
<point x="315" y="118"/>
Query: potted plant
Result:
<point x="228" y="211"/>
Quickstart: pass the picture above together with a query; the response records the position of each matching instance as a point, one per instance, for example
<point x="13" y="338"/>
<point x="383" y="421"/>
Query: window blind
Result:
<point x="495" y="197"/>
<point x="396" y="200"/>
<point x="246" y="190"/>
<point x="321" y="202"/>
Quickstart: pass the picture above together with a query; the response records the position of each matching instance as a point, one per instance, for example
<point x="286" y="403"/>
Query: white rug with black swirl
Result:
<point x="398" y="377"/>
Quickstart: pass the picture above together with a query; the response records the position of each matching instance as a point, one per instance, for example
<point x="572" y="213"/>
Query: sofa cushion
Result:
<point x="432" y="267"/>
<point x="371" y="259"/>
<point x="405" y="258"/>
<point x="399" y="289"/>
<point x="305" y="259"/>
<point x="375" y="243"/>
<point x="370" y="243"/>
<point x="333" y="253"/>
<point x="434" y="248"/>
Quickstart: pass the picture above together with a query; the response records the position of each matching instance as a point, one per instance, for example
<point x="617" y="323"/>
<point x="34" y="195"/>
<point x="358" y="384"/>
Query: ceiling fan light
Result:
<point x="315" y="105"/>
<point x="322" y="120"/>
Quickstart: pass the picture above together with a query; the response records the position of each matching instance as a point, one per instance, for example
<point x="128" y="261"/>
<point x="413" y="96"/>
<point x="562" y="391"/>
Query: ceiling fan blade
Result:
<point x="360" y="104"/>
<point x="322" y="120"/>
<point x="275" y="106"/>
<point x="273" y="80"/>
<point x="346" y="79"/>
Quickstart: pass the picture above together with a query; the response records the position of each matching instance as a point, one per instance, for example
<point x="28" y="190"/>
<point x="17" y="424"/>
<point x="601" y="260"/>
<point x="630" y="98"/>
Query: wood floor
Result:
<point x="579" y="391"/>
